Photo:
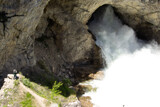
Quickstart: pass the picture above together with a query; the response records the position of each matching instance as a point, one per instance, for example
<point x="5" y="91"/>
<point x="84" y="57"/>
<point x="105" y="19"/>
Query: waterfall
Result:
<point x="132" y="75"/>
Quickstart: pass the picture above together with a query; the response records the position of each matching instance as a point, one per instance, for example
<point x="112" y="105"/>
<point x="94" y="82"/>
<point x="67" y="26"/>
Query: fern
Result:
<point x="55" y="89"/>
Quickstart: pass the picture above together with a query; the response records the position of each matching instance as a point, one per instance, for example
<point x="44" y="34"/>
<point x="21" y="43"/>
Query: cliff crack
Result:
<point x="4" y="19"/>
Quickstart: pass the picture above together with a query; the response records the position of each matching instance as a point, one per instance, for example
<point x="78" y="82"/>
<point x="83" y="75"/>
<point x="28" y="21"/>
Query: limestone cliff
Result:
<point x="54" y="33"/>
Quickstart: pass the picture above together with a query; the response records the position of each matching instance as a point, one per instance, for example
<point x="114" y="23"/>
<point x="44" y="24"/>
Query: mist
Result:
<point x="132" y="74"/>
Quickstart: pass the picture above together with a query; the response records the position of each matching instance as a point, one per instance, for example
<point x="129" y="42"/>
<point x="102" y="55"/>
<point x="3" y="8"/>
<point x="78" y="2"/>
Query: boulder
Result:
<point x="97" y="76"/>
<point x="86" y="101"/>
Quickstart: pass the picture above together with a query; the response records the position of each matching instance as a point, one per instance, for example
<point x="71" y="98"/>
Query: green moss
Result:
<point x="40" y="90"/>
<point x="16" y="83"/>
<point x="27" y="102"/>
<point x="6" y="91"/>
<point x="16" y="96"/>
<point x="58" y="92"/>
<point x="26" y="82"/>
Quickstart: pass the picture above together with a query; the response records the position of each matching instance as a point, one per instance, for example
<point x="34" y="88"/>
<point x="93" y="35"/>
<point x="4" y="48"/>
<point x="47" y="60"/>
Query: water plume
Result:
<point x="132" y="77"/>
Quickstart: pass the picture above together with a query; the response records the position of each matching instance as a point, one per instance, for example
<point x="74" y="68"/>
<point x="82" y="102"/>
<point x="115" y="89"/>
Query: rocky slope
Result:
<point x="52" y="35"/>
<point x="17" y="93"/>
<point x="18" y="20"/>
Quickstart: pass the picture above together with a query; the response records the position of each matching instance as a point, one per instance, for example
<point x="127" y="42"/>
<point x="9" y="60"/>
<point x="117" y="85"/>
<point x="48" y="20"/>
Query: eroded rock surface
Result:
<point x="53" y="35"/>
<point x="63" y="25"/>
<point x="18" y="20"/>
<point x="139" y="14"/>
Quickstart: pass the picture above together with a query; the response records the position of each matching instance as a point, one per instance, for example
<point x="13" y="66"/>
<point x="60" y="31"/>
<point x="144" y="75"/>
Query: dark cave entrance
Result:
<point x="111" y="23"/>
<point x="144" y="30"/>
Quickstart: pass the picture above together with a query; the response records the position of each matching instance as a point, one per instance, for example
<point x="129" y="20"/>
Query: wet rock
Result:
<point x="86" y="101"/>
<point x="54" y="105"/>
<point x="73" y="104"/>
<point x="81" y="89"/>
<point x="97" y="76"/>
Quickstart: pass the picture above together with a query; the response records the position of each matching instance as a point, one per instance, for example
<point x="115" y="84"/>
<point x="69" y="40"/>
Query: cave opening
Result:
<point x="112" y="34"/>
<point x="144" y="30"/>
<point x="99" y="13"/>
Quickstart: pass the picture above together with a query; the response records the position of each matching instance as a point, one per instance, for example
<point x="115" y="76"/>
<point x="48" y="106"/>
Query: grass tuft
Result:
<point x="26" y="82"/>
<point x="27" y="102"/>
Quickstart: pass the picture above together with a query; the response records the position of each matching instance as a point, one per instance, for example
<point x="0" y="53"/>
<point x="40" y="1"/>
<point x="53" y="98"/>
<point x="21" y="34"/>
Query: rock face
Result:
<point x="142" y="15"/>
<point x="64" y="32"/>
<point x="53" y="34"/>
<point x="67" y="43"/>
<point x="18" y="20"/>
<point x="86" y="102"/>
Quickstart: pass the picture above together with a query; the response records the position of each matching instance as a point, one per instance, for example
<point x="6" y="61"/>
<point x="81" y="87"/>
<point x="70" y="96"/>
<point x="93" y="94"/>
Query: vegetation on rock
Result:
<point x="27" y="102"/>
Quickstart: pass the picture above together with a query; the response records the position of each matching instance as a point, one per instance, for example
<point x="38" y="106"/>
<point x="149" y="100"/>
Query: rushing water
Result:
<point x="132" y="77"/>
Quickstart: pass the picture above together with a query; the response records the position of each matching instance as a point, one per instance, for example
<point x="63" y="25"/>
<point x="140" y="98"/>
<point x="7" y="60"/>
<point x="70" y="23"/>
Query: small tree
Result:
<point x="55" y="89"/>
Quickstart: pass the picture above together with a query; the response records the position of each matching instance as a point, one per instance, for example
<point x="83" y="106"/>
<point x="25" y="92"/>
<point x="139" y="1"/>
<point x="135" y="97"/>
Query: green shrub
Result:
<point x="16" y="82"/>
<point x="55" y="89"/>
<point x="26" y="82"/>
<point x="67" y="82"/>
<point x="66" y="91"/>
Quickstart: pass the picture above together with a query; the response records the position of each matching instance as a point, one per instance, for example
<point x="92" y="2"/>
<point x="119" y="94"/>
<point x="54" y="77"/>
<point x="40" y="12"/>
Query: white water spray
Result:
<point x="132" y="78"/>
